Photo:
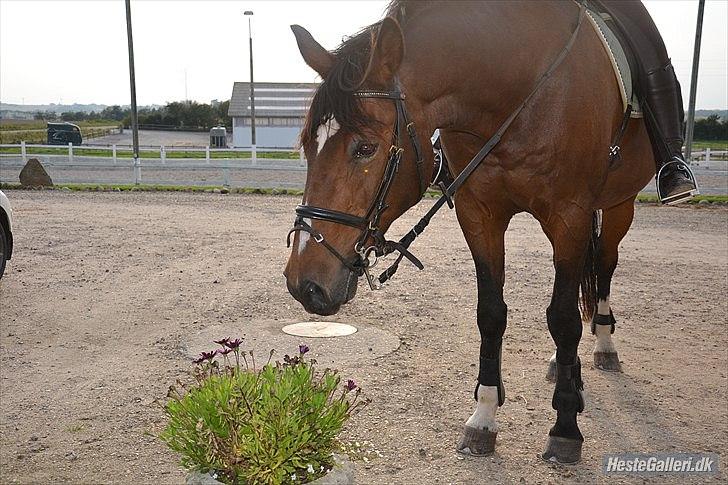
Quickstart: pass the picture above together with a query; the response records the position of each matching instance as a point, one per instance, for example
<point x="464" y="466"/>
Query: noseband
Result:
<point x="371" y="244"/>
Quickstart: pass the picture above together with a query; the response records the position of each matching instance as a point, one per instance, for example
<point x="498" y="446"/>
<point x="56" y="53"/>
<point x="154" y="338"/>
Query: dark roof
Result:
<point x="272" y="99"/>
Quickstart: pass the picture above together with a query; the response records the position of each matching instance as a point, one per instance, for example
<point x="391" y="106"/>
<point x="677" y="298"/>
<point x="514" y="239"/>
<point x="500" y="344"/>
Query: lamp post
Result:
<point x="694" y="83"/>
<point x="249" y="14"/>
<point x="132" y="82"/>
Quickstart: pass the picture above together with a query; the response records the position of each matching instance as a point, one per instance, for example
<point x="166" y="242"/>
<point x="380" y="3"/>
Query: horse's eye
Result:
<point x="365" y="150"/>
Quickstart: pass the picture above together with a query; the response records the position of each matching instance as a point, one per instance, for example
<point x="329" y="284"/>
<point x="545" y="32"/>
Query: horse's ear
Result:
<point x="318" y="58"/>
<point x="387" y="52"/>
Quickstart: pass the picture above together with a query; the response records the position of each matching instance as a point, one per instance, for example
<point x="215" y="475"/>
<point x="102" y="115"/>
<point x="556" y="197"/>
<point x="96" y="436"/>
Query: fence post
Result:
<point x="23" y="153"/>
<point x="707" y="156"/>
<point x="113" y="152"/>
<point x="137" y="171"/>
<point x="70" y="152"/>
<point x="301" y="159"/>
<point x="162" y="154"/>
<point x="207" y="154"/>
<point x="253" y="155"/>
<point x="226" y="173"/>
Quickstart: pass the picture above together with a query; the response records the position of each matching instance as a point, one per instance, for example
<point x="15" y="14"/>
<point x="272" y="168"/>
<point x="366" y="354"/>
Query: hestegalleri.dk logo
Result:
<point x="657" y="463"/>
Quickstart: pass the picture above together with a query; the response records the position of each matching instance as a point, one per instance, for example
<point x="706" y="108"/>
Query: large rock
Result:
<point x="34" y="175"/>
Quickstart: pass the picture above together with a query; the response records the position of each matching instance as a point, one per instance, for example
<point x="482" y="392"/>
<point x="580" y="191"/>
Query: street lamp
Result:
<point x="132" y="83"/>
<point x="249" y="14"/>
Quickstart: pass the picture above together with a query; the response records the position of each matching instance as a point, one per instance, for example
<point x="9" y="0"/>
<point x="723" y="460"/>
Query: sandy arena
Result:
<point x="108" y="294"/>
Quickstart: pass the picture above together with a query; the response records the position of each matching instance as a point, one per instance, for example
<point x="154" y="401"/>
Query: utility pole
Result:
<point x="249" y="14"/>
<point x="694" y="83"/>
<point x="132" y="81"/>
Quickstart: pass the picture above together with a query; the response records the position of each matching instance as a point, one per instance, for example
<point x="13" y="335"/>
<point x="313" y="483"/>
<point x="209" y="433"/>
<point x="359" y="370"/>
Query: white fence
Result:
<point x="710" y="159"/>
<point x="188" y="165"/>
<point x="246" y="166"/>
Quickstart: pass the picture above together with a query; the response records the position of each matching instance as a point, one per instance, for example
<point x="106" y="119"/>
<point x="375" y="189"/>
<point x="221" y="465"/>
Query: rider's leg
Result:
<point x="661" y="96"/>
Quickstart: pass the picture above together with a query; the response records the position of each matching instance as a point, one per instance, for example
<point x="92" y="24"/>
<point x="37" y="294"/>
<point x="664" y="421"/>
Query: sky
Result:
<point x="67" y="52"/>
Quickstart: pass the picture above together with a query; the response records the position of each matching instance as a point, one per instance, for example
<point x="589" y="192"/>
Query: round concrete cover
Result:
<point x="367" y="343"/>
<point x="319" y="329"/>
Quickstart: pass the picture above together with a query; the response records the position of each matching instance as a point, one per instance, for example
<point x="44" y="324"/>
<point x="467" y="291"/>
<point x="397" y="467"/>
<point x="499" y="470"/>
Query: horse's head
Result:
<point x="363" y="169"/>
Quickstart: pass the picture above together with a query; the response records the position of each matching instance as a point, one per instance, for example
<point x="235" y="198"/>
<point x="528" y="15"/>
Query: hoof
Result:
<point x="564" y="451"/>
<point x="551" y="372"/>
<point x="477" y="442"/>
<point x="608" y="361"/>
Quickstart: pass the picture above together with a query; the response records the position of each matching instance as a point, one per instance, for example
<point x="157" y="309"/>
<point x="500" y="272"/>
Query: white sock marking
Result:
<point x="603" y="306"/>
<point x="324" y="132"/>
<point x="484" y="415"/>
<point x="604" y="332"/>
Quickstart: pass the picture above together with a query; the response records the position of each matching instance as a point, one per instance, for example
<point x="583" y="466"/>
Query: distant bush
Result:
<point x="711" y="128"/>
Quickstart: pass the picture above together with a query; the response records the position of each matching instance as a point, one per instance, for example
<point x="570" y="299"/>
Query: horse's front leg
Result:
<point x="485" y="236"/>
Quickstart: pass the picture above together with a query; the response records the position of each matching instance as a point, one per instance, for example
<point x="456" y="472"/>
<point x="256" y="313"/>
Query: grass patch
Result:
<point x="159" y="188"/>
<point x="430" y="194"/>
<point x="75" y="428"/>
<point x="712" y="144"/>
<point x="12" y="125"/>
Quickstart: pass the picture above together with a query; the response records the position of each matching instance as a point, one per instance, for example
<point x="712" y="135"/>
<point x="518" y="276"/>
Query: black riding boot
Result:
<point x="664" y="111"/>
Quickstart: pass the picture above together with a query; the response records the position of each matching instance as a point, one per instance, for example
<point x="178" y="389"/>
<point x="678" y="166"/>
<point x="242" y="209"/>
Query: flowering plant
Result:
<point x="276" y="425"/>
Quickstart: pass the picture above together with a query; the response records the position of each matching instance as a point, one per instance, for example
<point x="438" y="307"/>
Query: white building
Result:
<point x="280" y="109"/>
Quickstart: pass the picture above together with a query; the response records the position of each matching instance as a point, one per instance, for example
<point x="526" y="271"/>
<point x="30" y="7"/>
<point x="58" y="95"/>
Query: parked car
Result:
<point x="64" y="133"/>
<point x="6" y="232"/>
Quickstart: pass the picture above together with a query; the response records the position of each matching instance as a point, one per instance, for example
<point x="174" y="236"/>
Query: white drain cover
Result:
<point x="319" y="329"/>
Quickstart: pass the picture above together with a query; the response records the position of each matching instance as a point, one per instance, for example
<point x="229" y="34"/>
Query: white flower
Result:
<point x="310" y="468"/>
<point x="293" y="477"/>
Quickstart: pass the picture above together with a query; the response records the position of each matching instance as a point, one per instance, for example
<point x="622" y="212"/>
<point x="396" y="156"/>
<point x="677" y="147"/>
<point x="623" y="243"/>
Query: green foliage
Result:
<point x="278" y="425"/>
<point x="711" y="128"/>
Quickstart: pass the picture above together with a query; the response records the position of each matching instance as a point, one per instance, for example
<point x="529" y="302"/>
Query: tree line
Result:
<point x="179" y="115"/>
<point x="711" y="128"/>
<point x="200" y="116"/>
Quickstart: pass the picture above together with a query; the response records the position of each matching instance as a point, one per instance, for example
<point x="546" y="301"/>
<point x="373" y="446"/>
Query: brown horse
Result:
<point x="465" y="67"/>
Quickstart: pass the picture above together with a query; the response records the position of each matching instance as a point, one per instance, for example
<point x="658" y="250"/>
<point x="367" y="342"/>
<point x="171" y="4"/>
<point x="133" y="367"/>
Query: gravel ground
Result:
<point x="156" y="138"/>
<point x="107" y="290"/>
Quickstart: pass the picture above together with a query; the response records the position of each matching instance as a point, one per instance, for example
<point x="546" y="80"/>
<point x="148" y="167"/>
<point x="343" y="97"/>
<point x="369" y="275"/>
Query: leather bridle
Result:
<point x="369" y="224"/>
<point x="371" y="242"/>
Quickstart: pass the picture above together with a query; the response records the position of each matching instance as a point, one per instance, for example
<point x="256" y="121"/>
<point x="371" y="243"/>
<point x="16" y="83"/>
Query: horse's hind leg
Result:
<point x="485" y="237"/>
<point x="569" y="234"/>
<point x="615" y="224"/>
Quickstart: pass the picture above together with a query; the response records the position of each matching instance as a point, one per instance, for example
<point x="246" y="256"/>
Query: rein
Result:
<point x="369" y="224"/>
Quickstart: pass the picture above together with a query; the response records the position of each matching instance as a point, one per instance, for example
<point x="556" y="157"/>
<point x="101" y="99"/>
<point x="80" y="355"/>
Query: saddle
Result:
<point x="621" y="56"/>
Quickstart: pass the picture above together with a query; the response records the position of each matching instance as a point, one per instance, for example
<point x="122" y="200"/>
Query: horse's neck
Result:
<point x="469" y="64"/>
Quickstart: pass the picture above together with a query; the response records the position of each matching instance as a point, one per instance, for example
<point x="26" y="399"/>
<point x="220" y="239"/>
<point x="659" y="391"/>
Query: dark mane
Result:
<point x="334" y="97"/>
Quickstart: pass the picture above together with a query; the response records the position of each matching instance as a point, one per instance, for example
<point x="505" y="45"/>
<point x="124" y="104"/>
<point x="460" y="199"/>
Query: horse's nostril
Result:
<point x="314" y="296"/>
